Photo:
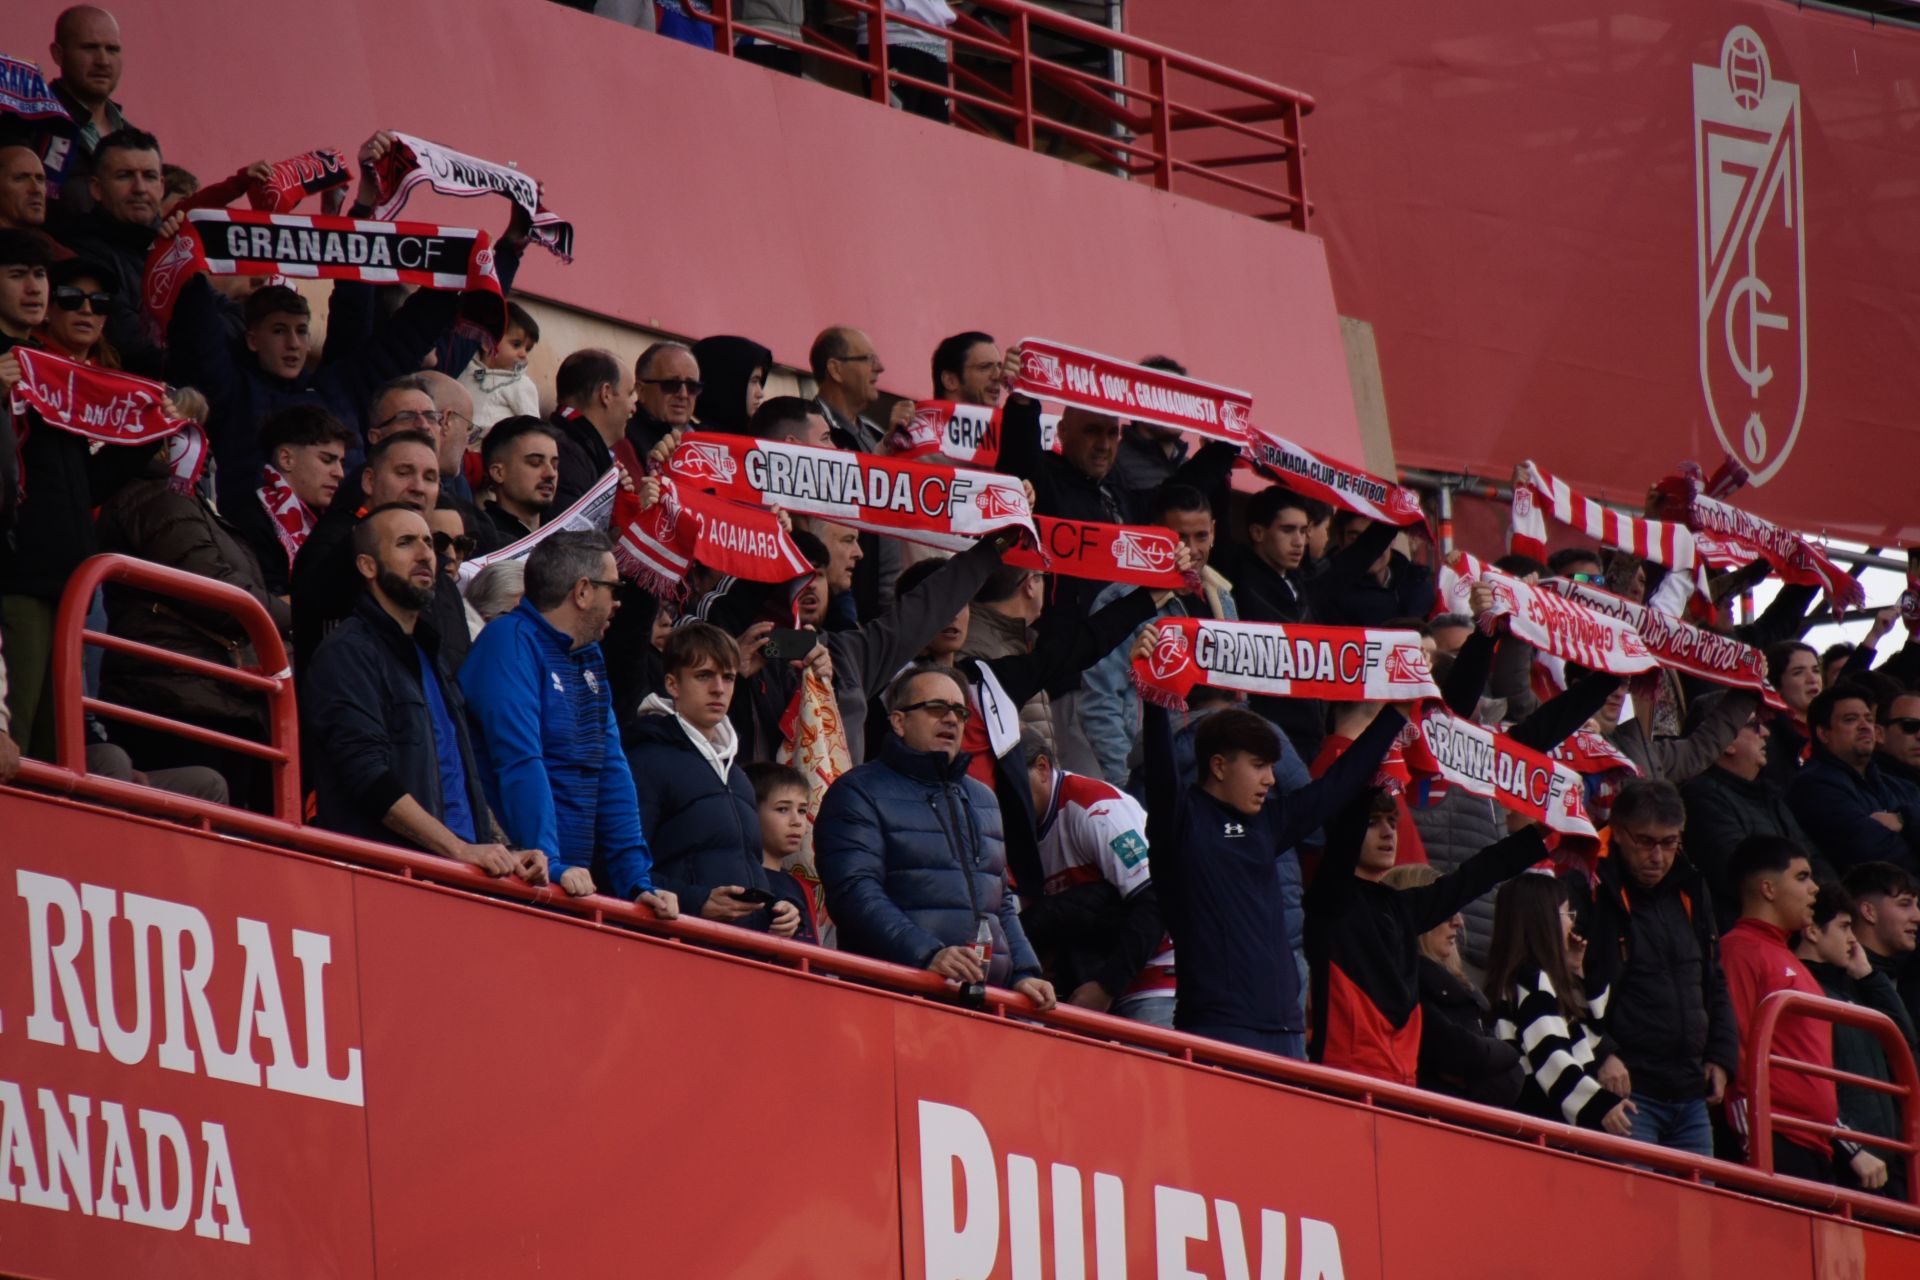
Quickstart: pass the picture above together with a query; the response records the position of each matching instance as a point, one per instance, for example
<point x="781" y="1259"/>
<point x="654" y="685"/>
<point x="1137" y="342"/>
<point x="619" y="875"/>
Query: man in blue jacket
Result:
<point x="538" y="697"/>
<point x="912" y="853"/>
<point x="1852" y="811"/>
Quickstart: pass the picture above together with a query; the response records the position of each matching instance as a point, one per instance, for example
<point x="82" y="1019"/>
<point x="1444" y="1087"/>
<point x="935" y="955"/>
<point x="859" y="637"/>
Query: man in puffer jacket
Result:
<point x="696" y="805"/>
<point x="912" y="852"/>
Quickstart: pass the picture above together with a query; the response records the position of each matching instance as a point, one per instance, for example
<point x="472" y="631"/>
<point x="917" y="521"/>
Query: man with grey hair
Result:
<point x="667" y="381"/>
<point x="913" y="854"/>
<point x="542" y="707"/>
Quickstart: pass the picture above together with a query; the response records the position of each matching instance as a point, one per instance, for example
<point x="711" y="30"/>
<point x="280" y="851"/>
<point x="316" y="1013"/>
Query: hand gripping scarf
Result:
<point x="1338" y="664"/>
<point x="660" y="544"/>
<point x="1676" y="643"/>
<point x="961" y="435"/>
<point x="242" y="242"/>
<point x="1488" y="763"/>
<point x="308" y="174"/>
<point x="1794" y="558"/>
<point x="946" y="507"/>
<point x="412" y="161"/>
<point x="1134" y="392"/>
<point x="1315" y="475"/>
<point x="1537" y="495"/>
<point x="594" y="511"/>
<point x="1546" y="620"/>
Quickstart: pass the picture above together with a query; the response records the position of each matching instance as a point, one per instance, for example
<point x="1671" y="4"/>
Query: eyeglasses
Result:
<point x="414" y="418"/>
<point x="459" y="547"/>
<point x="1905" y="724"/>
<point x="602" y="582"/>
<point x="68" y="298"/>
<point x="675" y="386"/>
<point x="872" y="358"/>
<point x="1665" y="844"/>
<point x="1590" y="578"/>
<point x="939" y="710"/>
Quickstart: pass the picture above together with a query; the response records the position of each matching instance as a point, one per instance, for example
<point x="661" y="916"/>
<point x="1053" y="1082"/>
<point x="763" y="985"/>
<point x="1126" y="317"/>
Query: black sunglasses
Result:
<point x="448" y="544"/>
<point x="940" y="709"/>
<point x="69" y="298"/>
<point x="1905" y="724"/>
<point x="692" y="386"/>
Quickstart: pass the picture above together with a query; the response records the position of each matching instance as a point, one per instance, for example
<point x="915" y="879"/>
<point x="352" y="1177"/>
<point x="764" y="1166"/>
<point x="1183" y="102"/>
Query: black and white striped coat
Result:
<point x="1561" y="1059"/>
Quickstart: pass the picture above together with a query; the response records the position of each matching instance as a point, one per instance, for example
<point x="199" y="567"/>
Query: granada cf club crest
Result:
<point x="1752" y="248"/>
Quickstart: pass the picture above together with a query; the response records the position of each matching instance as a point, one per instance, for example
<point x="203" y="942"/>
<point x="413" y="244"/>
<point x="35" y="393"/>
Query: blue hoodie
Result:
<point x="543" y="729"/>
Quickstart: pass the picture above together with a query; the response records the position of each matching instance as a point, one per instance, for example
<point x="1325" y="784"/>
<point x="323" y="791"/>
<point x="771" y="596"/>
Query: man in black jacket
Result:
<point x="596" y="398"/>
<point x="1730" y="802"/>
<point x="386" y="720"/>
<point x="1653" y="952"/>
<point x="118" y="232"/>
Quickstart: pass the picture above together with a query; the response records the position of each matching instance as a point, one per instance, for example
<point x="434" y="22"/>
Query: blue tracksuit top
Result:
<point x="544" y="735"/>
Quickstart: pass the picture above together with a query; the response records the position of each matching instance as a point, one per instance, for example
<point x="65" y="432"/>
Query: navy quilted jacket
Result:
<point x="912" y="854"/>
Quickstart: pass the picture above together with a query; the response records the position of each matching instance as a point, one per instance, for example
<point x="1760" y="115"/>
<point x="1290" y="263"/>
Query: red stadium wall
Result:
<point x="711" y="196"/>
<point x="246" y="1062"/>
<point x="1507" y="189"/>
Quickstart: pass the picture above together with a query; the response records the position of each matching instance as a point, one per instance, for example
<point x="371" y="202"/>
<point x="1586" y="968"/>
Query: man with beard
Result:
<point x="393" y="759"/>
<point x="523" y="466"/>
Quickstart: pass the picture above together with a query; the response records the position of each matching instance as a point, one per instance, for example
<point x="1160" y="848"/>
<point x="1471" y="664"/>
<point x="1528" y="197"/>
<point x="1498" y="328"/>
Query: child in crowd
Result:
<point x="499" y="382"/>
<point x="780" y="791"/>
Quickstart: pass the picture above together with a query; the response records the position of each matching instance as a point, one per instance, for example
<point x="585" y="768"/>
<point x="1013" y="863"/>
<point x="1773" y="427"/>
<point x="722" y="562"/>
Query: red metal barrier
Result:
<point x="1142" y="122"/>
<point x="271" y="675"/>
<point x="1760" y="1062"/>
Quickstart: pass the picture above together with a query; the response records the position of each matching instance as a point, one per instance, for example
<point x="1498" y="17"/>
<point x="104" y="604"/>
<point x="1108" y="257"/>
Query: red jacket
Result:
<point x="1758" y="963"/>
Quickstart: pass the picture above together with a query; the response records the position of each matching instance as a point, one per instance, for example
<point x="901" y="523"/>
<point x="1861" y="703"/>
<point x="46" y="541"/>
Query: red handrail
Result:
<point x="1151" y="116"/>
<point x="1759" y="1062"/>
<point x="271" y="675"/>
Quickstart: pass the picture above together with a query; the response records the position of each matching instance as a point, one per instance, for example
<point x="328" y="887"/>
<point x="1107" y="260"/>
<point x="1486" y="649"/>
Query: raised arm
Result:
<point x="1306" y="809"/>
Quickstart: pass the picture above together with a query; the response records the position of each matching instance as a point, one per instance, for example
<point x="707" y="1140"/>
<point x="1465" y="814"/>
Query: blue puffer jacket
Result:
<point x="542" y="715"/>
<point x="703" y="832"/>
<point x="911" y="852"/>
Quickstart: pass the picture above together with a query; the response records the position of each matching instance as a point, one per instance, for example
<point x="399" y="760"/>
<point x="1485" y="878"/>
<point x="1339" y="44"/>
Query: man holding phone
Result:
<point x="696" y="805"/>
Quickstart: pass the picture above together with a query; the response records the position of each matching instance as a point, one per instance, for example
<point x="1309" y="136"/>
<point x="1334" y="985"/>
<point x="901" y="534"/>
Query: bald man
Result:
<point x="455" y="404"/>
<point x="86" y="50"/>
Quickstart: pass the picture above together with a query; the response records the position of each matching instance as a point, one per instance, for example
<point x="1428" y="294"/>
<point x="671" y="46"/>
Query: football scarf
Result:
<point x="412" y="161"/>
<point x="1537" y="495"/>
<point x="1488" y="763"/>
<point x="1133" y="392"/>
<point x="187" y="455"/>
<point x="85" y="400"/>
<point x="244" y="242"/>
<point x="1314" y="475"/>
<point x="1588" y="751"/>
<point x="963" y="435"/>
<point x="1676" y="643"/>
<point x="1793" y="558"/>
<point x="660" y="544"/>
<point x="1338" y="664"/>
<point x="946" y="507"/>
<point x="1136" y="554"/>
<point x="594" y="511"/>
<point x="307" y="174"/>
<point x="291" y="520"/>
<point x="24" y="92"/>
<point x="1544" y="619"/>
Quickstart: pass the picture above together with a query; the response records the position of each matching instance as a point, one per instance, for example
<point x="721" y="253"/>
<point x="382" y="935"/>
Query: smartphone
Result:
<point x="786" y="644"/>
<point x="758" y="897"/>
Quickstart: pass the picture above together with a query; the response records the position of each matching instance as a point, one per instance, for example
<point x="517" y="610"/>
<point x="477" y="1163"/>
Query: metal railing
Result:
<point x="271" y="675"/>
<point x="70" y="783"/>
<point x="1759" y="1062"/>
<point x="1222" y="119"/>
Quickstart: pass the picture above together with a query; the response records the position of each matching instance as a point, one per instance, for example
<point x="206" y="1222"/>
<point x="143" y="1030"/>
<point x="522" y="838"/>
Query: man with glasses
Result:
<point x="1653" y="954"/>
<point x="542" y="711"/>
<point x="1730" y="802"/>
<point x="667" y="382"/>
<point x="847" y="370"/>
<point x="913" y="854"/>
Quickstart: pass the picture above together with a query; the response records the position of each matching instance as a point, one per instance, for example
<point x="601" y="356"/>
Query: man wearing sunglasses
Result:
<point x="913" y="854"/>
<point x="1899" y="752"/>
<point x="667" y="380"/>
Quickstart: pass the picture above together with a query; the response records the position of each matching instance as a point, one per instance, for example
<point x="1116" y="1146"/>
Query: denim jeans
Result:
<point x="1681" y="1126"/>
<point x="1154" y="1010"/>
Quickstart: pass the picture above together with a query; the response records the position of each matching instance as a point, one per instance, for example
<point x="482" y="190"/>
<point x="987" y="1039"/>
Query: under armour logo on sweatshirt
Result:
<point x="1233" y="829"/>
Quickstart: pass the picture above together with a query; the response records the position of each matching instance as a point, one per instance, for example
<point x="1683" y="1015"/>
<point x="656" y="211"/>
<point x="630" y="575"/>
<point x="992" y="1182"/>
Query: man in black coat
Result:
<point x="118" y="232"/>
<point x="596" y="398"/>
<point x="392" y="758"/>
<point x="1653" y="951"/>
<point x="1730" y="802"/>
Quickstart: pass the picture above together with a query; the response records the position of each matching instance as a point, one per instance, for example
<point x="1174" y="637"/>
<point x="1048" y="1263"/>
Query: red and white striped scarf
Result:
<point x="1337" y="664"/>
<point x="1537" y="495"/>
<point x="1544" y="619"/>
<point x="1676" y="643"/>
<point x="1337" y="483"/>
<point x="1793" y="557"/>
<point x="660" y="544"/>
<point x="1488" y="763"/>
<point x="292" y="521"/>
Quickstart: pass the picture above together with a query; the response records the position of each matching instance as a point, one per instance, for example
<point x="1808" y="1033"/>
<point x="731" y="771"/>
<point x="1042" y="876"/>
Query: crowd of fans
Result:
<point x="557" y="722"/>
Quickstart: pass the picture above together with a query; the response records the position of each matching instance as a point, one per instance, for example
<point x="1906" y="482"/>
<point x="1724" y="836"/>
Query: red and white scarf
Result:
<point x="1086" y="380"/>
<point x="243" y="242"/>
<point x="86" y="400"/>
<point x="1137" y="554"/>
<point x="965" y="435"/>
<point x="946" y="507"/>
<point x="292" y="180"/>
<point x="1676" y="643"/>
<point x="1588" y="751"/>
<point x="1537" y="495"/>
<point x="1545" y="619"/>
<point x="660" y="544"/>
<point x="1338" y="664"/>
<point x="1488" y="763"/>
<point x="1314" y="475"/>
<point x="290" y="518"/>
<point x="594" y="511"/>
<point x="187" y="457"/>
<point x="1794" y="558"/>
<point x="412" y="161"/>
